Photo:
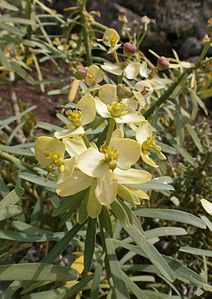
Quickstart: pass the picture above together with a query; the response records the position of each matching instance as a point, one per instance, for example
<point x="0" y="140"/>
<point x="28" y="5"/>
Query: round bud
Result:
<point x="81" y="72"/>
<point x="129" y="49"/>
<point x="162" y="63"/>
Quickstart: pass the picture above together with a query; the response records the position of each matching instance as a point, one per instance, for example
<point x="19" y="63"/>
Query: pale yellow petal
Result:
<point x="74" y="184"/>
<point x="131" y="117"/>
<point x="207" y="205"/>
<point x="106" y="188"/>
<point x="126" y="194"/>
<point x="93" y="206"/>
<point x="69" y="132"/>
<point x="111" y="37"/>
<point x="144" y="72"/>
<point x="143" y="132"/>
<point x="91" y="162"/>
<point x="132" y="176"/>
<point x="112" y="68"/>
<point x="101" y="108"/>
<point x="129" y="151"/>
<point x="148" y="160"/>
<point x="69" y="165"/>
<point x="132" y="70"/>
<point x="45" y="144"/>
<point x="140" y="98"/>
<point x="74" y="146"/>
<point x="108" y="93"/>
<point x="88" y="109"/>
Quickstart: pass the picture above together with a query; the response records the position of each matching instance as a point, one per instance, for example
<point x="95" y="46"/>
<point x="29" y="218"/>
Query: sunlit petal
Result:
<point x="148" y="160"/>
<point x="88" y="109"/>
<point x="68" y="165"/>
<point x="143" y="132"/>
<point x="108" y="93"/>
<point x="93" y="205"/>
<point x="129" y="151"/>
<point x="44" y="144"/>
<point x="106" y="188"/>
<point x="74" y="146"/>
<point x="132" y="70"/>
<point x="101" y="108"/>
<point x="91" y="162"/>
<point x="131" y="117"/>
<point x="144" y="72"/>
<point x="69" y="132"/>
<point x="112" y="68"/>
<point x="74" y="184"/>
<point x="132" y="176"/>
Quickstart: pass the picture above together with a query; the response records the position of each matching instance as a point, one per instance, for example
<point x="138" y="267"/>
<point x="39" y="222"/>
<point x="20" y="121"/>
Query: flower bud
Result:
<point x="162" y="63"/>
<point x="81" y="73"/>
<point x="129" y="49"/>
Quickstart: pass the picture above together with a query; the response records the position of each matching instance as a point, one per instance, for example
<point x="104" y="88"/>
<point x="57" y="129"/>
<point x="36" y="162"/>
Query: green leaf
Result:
<point x="9" y="211"/>
<point x="22" y="73"/>
<point x="90" y="242"/>
<point x="13" y="149"/>
<point x="62" y="292"/>
<point x="151" y="252"/>
<point x="94" y="294"/>
<point x="196" y="251"/>
<point x="36" y="272"/>
<point x="62" y="244"/>
<point x="172" y="215"/>
<point x="4" y="60"/>
<point x="167" y="148"/>
<point x="46" y="126"/>
<point x="120" y="213"/>
<point x="37" y="180"/>
<point x="134" y="288"/>
<point x="6" y="5"/>
<point x="12" y="198"/>
<point x="29" y="237"/>
<point x="11" y="119"/>
<point x="195" y="138"/>
<point x="160" y="183"/>
<point x="4" y="190"/>
<point x="165" y="231"/>
<point x="120" y="290"/>
<point x="106" y="220"/>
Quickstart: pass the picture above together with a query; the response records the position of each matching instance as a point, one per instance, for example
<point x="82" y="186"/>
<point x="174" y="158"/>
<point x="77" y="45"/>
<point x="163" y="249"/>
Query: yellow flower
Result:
<point x="111" y="39"/>
<point x="83" y="114"/>
<point x="94" y="75"/>
<point x="49" y="152"/>
<point x="144" y="136"/>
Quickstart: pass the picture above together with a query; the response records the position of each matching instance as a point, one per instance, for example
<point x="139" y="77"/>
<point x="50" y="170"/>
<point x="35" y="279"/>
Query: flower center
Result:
<point x="56" y="160"/>
<point x="90" y="79"/>
<point x="111" y="155"/>
<point x="116" y="109"/>
<point x="75" y="117"/>
<point x="150" y="143"/>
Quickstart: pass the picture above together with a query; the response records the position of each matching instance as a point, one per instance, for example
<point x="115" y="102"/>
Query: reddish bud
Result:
<point x="81" y="72"/>
<point x="162" y="63"/>
<point x="129" y="49"/>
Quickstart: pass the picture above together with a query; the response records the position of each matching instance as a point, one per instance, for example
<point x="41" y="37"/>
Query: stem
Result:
<point x="116" y="58"/>
<point x="28" y="12"/>
<point x="86" y="141"/>
<point x="111" y="127"/>
<point x="87" y="42"/>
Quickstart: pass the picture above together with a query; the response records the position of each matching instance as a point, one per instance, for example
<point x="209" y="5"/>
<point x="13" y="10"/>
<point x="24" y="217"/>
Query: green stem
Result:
<point x="28" y="12"/>
<point x="116" y="58"/>
<point x="87" y="42"/>
<point x="86" y="141"/>
<point x="111" y="127"/>
<point x="100" y="26"/>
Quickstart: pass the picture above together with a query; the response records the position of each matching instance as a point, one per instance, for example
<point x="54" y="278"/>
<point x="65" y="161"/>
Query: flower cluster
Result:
<point x="106" y="138"/>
